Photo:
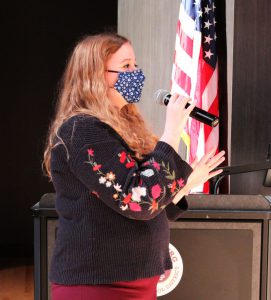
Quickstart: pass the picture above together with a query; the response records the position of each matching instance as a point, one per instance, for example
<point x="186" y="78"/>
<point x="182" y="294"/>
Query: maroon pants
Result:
<point x="141" y="289"/>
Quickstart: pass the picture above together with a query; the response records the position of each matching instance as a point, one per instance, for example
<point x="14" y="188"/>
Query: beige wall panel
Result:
<point x="151" y="26"/>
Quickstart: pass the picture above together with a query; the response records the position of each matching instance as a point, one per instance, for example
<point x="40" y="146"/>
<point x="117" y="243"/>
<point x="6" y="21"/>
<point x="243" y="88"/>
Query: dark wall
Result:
<point x="36" y="41"/>
<point x="251" y="109"/>
<point x="222" y="86"/>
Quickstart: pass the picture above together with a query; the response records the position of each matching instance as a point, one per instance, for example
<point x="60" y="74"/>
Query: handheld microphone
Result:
<point x="162" y="97"/>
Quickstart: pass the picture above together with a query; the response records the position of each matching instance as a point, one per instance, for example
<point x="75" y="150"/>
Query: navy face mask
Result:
<point x="130" y="84"/>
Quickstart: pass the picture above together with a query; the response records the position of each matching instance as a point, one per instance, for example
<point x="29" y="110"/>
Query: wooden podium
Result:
<point x="224" y="242"/>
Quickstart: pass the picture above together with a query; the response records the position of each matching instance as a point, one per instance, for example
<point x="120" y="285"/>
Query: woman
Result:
<point x="116" y="183"/>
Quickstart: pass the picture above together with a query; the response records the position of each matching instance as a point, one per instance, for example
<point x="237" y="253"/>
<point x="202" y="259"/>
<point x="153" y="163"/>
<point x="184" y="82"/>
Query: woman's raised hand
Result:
<point x="203" y="169"/>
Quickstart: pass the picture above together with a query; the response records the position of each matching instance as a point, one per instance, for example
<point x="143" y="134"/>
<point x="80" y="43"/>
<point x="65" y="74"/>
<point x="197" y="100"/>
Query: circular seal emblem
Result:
<point x="171" y="278"/>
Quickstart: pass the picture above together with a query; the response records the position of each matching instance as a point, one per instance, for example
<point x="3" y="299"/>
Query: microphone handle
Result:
<point x="199" y="114"/>
<point x="203" y="116"/>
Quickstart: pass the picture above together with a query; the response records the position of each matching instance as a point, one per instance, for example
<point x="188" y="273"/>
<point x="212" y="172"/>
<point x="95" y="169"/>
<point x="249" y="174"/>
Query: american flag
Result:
<point x="195" y="73"/>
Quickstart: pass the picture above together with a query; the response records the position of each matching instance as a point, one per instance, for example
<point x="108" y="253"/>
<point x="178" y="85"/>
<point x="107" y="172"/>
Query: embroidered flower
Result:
<point x="133" y="200"/>
<point x="156" y="191"/>
<point x="138" y="192"/>
<point x="134" y="206"/>
<point x="91" y="152"/>
<point x="154" y="206"/>
<point x="122" y="157"/>
<point x="130" y="164"/>
<point x="97" y="167"/>
<point x="180" y="182"/>
<point x="117" y="187"/>
<point x="124" y="207"/>
<point x="102" y="180"/>
<point x="127" y="159"/>
<point x="110" y="176"/>
<point x="156" y="165"/>
<point x="173" y="187"/>
<point x="108" y="183"/>
<point x="127" y="198"/>
<point x="147" y="173"/>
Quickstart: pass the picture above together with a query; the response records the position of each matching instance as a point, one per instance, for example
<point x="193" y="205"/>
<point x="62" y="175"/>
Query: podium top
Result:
<point x="229" y="202"/>
<point x="200" y="202"/>
<point x="199" y="206"/>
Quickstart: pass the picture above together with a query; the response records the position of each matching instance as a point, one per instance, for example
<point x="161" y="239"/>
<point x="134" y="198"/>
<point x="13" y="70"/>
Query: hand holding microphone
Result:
<point x="162" y="97"/>
<point x="176" y="118"/>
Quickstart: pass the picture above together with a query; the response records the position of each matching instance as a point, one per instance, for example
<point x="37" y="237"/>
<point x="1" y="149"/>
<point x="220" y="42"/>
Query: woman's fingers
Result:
<point x="182" y="101"/>
<point x="173" y="98"/>
<point x="212" y="162"/>
<point x="215" y="173"/>
<point x="215" y="162"/>
<point x="190" y="107"/>
<point x="208" y="156"/>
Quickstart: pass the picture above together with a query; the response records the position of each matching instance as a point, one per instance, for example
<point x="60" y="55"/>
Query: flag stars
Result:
<point x="214" y="7"/>
<point x="208" y="54"/>
<point x="200" y="13"/>
<point x="208" y="39"/>
<point x="197" y="2"/>
<point x="207" y="9"/>
<point x="207" y="24"/>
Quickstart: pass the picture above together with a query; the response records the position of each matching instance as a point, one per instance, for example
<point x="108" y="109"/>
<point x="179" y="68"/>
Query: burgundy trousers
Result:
<point x="141" y="289"/>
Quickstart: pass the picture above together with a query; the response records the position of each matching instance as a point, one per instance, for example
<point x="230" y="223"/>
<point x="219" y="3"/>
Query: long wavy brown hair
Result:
<point x="84" y="91"/>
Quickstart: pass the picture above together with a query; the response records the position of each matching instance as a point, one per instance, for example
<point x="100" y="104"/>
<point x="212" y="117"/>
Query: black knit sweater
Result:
<point x="113" y="209"/>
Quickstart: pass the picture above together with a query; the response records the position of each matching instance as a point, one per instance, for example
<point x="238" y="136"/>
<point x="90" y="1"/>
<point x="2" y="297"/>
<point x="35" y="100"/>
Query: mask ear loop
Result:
<point x="112" y="71"/>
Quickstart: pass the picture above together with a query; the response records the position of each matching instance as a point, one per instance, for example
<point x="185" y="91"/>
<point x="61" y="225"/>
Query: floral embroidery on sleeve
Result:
<point x="138" y="195"/>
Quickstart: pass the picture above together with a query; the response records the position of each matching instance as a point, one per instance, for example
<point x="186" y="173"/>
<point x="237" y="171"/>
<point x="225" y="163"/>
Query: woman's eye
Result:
<point x="128" y="66"/>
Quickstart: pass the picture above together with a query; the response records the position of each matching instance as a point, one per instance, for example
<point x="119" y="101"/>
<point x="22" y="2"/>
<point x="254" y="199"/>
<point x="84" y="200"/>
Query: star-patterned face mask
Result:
<point x="130" y="84"/>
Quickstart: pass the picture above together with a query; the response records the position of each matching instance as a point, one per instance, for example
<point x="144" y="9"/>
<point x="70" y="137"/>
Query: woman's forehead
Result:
<point x="123" y="54"/>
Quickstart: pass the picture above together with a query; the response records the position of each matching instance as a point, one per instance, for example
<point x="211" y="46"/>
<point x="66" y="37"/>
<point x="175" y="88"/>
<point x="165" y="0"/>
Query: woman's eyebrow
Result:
<point x="126" y="59"/>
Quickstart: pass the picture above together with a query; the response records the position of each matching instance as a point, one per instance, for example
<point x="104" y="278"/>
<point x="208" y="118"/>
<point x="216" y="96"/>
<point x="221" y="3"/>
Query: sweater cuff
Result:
<point x="174" y="212"/>
<point x="167" y="149"/>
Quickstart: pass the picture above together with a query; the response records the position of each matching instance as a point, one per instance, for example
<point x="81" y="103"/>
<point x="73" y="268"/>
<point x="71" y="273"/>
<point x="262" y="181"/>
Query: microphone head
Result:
<point x="160" y="96"/>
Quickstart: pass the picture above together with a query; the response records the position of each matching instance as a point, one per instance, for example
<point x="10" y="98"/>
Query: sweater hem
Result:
<point x="82" y="281"/>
